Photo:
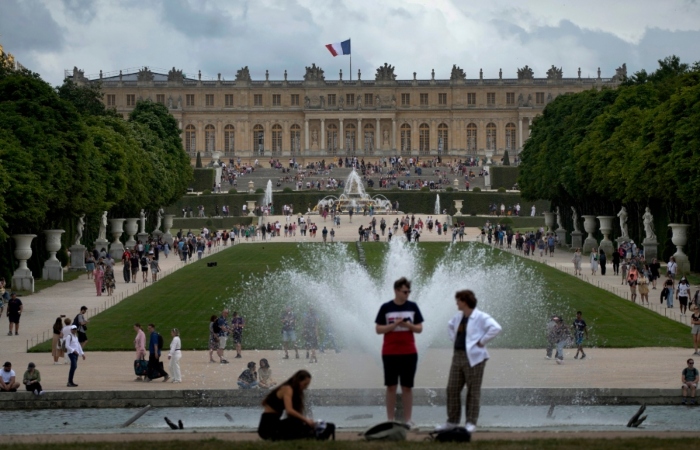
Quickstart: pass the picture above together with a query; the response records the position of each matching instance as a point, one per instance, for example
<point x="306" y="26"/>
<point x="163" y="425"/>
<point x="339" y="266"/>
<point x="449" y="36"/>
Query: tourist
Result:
<point x="74" y="350"/>
<point x="695" y="331"/>
<point x="654" y="272"/>
<point x="134" y="263"/>
<point x="541" y="246"/>
<point x="470" y="330"/>
<point x="682" y="294"/>
<point x="689" y="380"/>
<point x="213" y="337"/>
<point x="551" y="242"/>
<point x="144" y="268"/>
<point x="89" y="264"/>
<point x="56" y="349"/>
<point x="289" y="335"/>
<point x="602" y="258"/>
<point x="126" y="270"/>
<point x="667" y="292"/>
<point x="643" y="283"/>
<point x="616" y="262"/>
<point x="332" y="235"/>
<point x="632" y="278"/>
<point x="223" y="329"/>
<point x="580" y="330"/>
<point x="311" y="335"/>
<point x="594" y="261"/>
<point x="155" y="267"/>
<point x="109" y="281"/>
<point x="139" y="346"/>
<point x="324" y="234"/>
<point x="289" y="398"/>
<point x="398" y="320"/>
<point x="65" y="332"/>
<point x="265" y="380"/>
<point x="551" y="336"/>
<point x="248" y="379"/>
<point x="32" y="380"/>
<point x="671" y="268"/>
<point x="81" y="322"/>
<point x="577" y="262"/>
<point x="562" y="336"/>
<point x="175" y="355"/>
<point x="98" y="276"/>
<point x="14" y="312"/>
<point x="237" y="325"/>
<point x="155" y="367"/>
<point x="7" y="378"/>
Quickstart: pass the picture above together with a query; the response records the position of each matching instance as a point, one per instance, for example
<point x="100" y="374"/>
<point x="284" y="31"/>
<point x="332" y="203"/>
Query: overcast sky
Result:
<point x="221" y="36"/>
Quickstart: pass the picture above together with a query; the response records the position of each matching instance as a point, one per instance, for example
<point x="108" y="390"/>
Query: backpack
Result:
<point x="386" y="431"/>
<point x="216" y="327"/>
<point x="144" y="261"/>
<point x="459" y="434"/>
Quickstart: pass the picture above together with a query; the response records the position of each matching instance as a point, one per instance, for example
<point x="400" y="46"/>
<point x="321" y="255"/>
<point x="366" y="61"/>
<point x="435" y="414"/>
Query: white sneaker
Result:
<point x="411" y="425"/>
<point x="547" y="357"/>
<point x="470" y="427"/>
<point x="559" y="361"/>
<point x="446" y="427"/>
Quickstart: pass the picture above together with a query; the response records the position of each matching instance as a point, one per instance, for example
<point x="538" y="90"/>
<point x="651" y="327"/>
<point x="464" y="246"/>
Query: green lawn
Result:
<point x="41" y="284"/>
<point x="245" y="280"/>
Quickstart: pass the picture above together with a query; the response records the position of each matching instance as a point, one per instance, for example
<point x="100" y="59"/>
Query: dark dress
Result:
<point x="273" y="429"/>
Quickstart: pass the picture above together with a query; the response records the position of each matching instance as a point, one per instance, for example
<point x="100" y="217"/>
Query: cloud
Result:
<point x="27" y="26"/>
<point x="199" y="19"/>
<point x="82" y="11"/>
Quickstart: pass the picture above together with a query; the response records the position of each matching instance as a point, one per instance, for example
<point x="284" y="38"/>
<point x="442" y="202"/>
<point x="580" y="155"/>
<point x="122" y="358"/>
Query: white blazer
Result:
<point x="480" y="328"/>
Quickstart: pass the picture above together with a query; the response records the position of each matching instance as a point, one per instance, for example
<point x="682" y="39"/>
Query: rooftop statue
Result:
<point x="243" y="74"/>
<point x="176" y="75"/>
<point x="525" y="73"/>
<point x="457" y="73"/>
<point x="314" y="73"/>
<point x="145" y="74"/>
<point x="555" y="73"/>
<point x="620" y="73"/>
<point x="385" y="73"/>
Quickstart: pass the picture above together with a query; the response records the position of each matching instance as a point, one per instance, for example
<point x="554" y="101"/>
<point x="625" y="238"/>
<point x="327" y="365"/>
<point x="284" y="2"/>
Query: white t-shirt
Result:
<point x="7" y="376"/>
<point x="683" y="289"/>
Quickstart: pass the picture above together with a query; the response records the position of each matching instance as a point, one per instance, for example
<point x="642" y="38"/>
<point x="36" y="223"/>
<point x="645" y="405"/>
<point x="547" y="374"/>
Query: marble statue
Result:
<point x="558" y="213"/>
<point x="159" y="217"/>
<point x="79" y="229"/>
<point x="143" y="221"/>
<point x="102" y="234"/>
<point x="648" y="220"/>
<point x="623" y="222"/>
<point x="314" y="137"/>
<point x="574" y="217"/>
<point x="170" y="102"/>
<point x="179" y="102"/>
<point x="385" y="135"/>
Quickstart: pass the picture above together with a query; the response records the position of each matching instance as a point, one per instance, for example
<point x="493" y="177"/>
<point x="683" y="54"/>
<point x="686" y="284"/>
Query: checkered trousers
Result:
<point x="460" y="374"/>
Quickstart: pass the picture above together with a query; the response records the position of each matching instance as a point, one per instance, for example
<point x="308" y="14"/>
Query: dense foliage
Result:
<point x="637" y="146"/>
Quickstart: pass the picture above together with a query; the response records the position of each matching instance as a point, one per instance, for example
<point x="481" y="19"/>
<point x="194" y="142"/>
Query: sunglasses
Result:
<point x="406" y="291"/>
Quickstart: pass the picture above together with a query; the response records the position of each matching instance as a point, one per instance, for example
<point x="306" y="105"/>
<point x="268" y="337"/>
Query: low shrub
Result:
<point x="287" y="190"/>
<point x="501" y="189"/>
<point x="260" y="191"/>
<point x="476" y="189"/>
<point x="206" y="192"/>
<point x="449" y="189"/>
<point x="232" y="191"/>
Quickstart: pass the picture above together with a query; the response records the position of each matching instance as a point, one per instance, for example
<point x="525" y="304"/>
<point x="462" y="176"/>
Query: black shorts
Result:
<point x="14" y="318"/>
<point x="82" y="336"/>
<point x="400" y="369"/>
<point x="683" y="300"/>
<point x="236" y="337"/>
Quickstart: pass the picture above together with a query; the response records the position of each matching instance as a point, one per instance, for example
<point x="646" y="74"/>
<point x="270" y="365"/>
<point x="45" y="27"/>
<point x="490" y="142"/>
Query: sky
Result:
<point x="221" y="36"/>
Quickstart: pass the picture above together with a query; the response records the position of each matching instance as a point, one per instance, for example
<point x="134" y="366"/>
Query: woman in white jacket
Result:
<point x="470" y="330"/>
<point x="174" y="356"/>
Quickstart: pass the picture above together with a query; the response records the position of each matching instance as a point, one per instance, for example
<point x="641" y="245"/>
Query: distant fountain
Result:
<point x="354" y="197"/>
<point x="267" y="200"/>
<point x="437" y="205"/>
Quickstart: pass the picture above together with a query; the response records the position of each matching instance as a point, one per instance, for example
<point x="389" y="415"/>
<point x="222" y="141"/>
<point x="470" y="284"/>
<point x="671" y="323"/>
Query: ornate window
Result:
<point x="160" y="98"/>
<point x="331" y="99"/>
<point x="491" y="98"/>
<point x="471" y="138"/>
<point x="276" y="99"/>
<point x="257" y="99"/>
<point x="424" y="99"/>
<point x="350" y="139"/>
<point x="190" y="139"/>
<point x="510" y="98"/>
<point x="228" y="100"/>
<point x="229" y="139"/>
<point x="424" y="139"/>
<point x="111" y="100"/>
<point x="350" y="99"/>
<point x="405" y="99"/>
<point x="443" y="143"/>
<point x="209" y="99"/>
<point x="295" y="99"/>
<point x="276" y="139"/>
<point x="130" y="99"/>
<point x="405" y="139"/>
<point x="369" y="139"/>
<point x="189" y="99"/>
<point x="210" y="138"/>
<point x="510" y="136"/>
<point x="491" y="136"/>
<point x="258" y="139"/>
<point x="332" y="139"/>
<point x="539" y="98"/>
<point x="442" y="98"/>
<point x="369" y="100"/>
<point x="471" y="99"/>
<point x="295" y="139"/>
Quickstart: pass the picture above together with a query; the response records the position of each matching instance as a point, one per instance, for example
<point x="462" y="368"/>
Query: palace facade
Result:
<point x="318" y="118"/>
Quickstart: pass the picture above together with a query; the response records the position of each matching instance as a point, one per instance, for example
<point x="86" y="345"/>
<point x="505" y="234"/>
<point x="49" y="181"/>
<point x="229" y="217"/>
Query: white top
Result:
<point x="175" y="346"/>
<point x="7" y="376"/>
<point x="65" y="331"/>
<point x="480" y="328"/>
<point x="72" y="345"/>
<point x="671" y="267"/>
<point x="683" y="289"/>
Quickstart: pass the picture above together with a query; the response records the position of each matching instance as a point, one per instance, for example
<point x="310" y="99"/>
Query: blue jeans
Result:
<point x="560" y="349"/>
<point x="669" y="298"/>
<point x="73" y="366"/>
<point x="244" y="385"/>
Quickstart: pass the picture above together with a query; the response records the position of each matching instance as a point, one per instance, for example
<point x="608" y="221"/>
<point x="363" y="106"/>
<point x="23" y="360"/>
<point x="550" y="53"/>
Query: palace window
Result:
<point x="424" y="99"/>
<point x="471" y="138"/>
<point x="258" y="139"/>
<point x="294" y="100"/>
<point x="424" y="139"/>
<point x="295" y="137"/>
<point x="190" y="139"/>
<point x="369" y="99"/>
<point x="349" y="99"/>
<point x="405" y="138"/>
<point x="369" y="139"/>
<point x="130" y="99"/>
<point x="539" y="98"/>
<point x="491" y="98"/>
<point x="160" y="98"/>
<point x="442" y="138"/>
<point x="510" y="136"/>
<point x="257" y="100"/>
<point x="210" y="138"/>
<point x="228" y="100"/>
<point x="471" y="99"/>
<point x="331" y="99"/>
<point x="229" y="139"/>
<point x="332" y="138"/>
<point x="350" y="138"/>
<point x="405" y="99"/>
<point x="276" y="100"/>
<point x="510" y="98"/>
<point x="491" y="136"/>
<point x="189" y="99"/>
<point x="442" y="98"/>
<point x="209" y="100"/>
<point x="276" y="138"/>
<point x="111" y="100"/>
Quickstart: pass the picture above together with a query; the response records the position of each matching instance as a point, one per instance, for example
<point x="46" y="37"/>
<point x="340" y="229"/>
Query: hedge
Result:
<point x="504" y="176"/>
<point x="203" y="179"/>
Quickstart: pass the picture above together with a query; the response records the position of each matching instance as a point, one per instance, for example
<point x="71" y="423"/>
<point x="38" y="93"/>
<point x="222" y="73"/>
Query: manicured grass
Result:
<point x="40" y="284"/>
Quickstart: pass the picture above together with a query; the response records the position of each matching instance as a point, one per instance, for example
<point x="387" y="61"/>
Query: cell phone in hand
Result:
<point x="406" y="319"/>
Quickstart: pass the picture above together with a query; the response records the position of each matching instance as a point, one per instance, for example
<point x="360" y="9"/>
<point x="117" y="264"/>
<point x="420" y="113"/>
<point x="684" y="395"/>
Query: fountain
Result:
<point x="267" y="200"/>
<point x="437" y="205"/>
<point x="354" y="197"/>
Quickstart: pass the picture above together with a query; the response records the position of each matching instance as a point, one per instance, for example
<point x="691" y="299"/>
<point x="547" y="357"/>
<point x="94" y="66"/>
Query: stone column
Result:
<point x="341" y="136"/>
<point x="360" y="136"/>
<point x="116" y="248"/>
<point x="323" y="135"/>
<point x="679" y="239"/>
<point x="53" y="270"/>
<point x="589" y="225"/>
<point x="23" y="279"/>
<point x="393" y="135"/>
<point x="306" y="136"/>
<point x="377" y="137"/>
<point x="606" y="227"/>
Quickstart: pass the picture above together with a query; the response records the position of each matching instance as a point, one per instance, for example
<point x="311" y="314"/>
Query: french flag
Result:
<point x="339" y="48"/>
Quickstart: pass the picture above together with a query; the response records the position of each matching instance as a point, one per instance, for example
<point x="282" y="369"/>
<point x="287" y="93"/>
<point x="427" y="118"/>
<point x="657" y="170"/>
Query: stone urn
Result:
<point x="458" y="207"/>
<point x="549" y="221"/>
<point x="23" y="278"/>
<point x="53" y="269"/>
<point x="116" y="248"/>
<point x="680" y="239"/>
<point x="215" y="156"/>
<point x="251" y="207"/>
<point x="167" y="225"/>
<point x="455" y="184"/>
<point x="589" y="224"/>
<point x="606" y="227"/>
<point x="251" y="187"/>
<point x="131" y="229"/>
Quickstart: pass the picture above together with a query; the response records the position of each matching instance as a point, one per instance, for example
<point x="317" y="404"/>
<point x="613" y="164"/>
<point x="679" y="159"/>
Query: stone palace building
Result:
<point x="318" y="118"/>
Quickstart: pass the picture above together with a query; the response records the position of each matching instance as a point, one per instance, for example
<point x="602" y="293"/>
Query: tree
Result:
<point x="506" y="159"/>
<point x="198" y="162"/>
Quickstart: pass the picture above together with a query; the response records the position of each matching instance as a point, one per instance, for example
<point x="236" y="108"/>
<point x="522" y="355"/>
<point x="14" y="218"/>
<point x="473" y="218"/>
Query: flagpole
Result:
<point x="351" y="66"/>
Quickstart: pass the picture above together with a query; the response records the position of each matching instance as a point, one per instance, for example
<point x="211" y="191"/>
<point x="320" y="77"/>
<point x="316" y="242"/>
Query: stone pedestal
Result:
<point x="131" y="228"/>
<point x="561" y="236"/>
<point x="251" y="207"/>
<point x="651" y="249"/>
<point x="576" y="239"/>
<point x="679" y="239"/>
<point x="606" y="227"/>
<point x="549" y="221"/>
<point x="77" y="257"/>
<point x="101" y="244"/>
<point x="458" y="207"/>
<point x="142" y="238"/>
<point x="455" y="184"/>
<point x="22" y="278"/>
<point x="116" y="248"/>
<point x="53" y="270"/>
<point x="157" y="234"/>
<point x="167" y="225"/>
<point x="487" y="178"/>
<point x="589" y="225"/>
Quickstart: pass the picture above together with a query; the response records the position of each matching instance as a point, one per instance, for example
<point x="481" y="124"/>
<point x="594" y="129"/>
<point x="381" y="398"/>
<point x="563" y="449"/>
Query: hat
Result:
<point x="31" y="365"/>
<point x="7" y="364"/>
<point x="74" y="327"/>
